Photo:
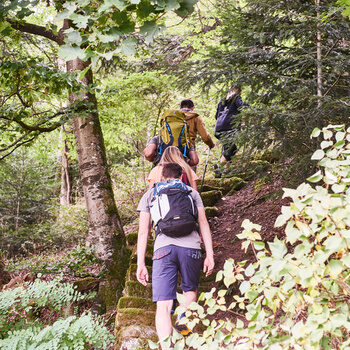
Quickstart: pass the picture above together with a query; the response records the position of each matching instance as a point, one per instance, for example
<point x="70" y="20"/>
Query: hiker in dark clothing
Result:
<point x="226" y="125"/>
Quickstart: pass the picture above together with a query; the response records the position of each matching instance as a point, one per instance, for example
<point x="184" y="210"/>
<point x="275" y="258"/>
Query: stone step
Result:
<point x="136" y="302"/>
<point x="211" y="197"/>
<point x="133" y="316"/>
<point x="131" y="274"/>
<point x="136" y="289"/>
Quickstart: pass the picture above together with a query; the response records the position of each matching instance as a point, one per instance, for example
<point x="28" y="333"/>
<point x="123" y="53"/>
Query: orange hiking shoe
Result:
<point x="182" y="329"/>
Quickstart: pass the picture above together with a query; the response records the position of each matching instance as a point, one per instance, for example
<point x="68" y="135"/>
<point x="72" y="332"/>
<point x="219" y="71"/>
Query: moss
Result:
<point x="131" y="238"/>
<point x="207" y="188"/>
<point x="136" y="302"/>
<point x="211" y="197"/>
<point x="211" y="182"/>
<point x="111" y="288"/>
<point x="148" y="259"/>
<point x="111" y="209"/>
<point x="133" y="316"/>
<point x="211" y="212"/>
<point x="136" y="289"/>
<point x="87" y="284"/>
<point x="131" y="274"/>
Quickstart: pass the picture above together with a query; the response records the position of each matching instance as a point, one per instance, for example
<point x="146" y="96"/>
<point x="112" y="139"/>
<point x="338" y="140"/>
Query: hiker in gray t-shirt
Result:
<point x="173" y="255"/>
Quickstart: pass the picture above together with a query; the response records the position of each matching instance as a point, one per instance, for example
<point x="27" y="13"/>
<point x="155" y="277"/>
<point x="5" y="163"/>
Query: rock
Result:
<point x="207" y="188"/>
<point x="211" y="182"/>
<point x="133" y="316"/>
<point x="135" y="336"/>
<point x="136" y="302"/>
<point x="211" y="212"/>
<point x="131" y="274"/>
<point x="211" y="197"/>
<point x="136" y="289"/>
<point x="231" y="184"/>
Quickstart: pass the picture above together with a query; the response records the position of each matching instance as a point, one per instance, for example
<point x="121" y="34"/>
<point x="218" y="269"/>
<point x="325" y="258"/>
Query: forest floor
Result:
<point x="261" y="204"/>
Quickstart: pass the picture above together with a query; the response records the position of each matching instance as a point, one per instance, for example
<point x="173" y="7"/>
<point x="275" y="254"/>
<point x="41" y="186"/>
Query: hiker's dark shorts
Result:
<point x="167" y="262"/>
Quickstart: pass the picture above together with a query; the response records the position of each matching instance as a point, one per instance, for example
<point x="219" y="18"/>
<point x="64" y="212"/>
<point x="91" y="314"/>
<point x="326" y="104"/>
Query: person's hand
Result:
<point x="142" y="274"/>
<point x="208" y="265"/>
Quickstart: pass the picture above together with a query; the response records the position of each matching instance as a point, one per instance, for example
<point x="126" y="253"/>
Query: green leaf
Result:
<point x="316" y="132"/>
<point x="69" y="53"/>
<point x="74" y="37"/>
<point x="128" y="46"/>
<point x="315" y="177"/>
<point x="245" y="285"/>
<point x="249" y="271"/>
<point x="278" y="249"/>
<point x="151" y="29"/>
<point x="335" y="267"/>
<point x="319" y="154"/>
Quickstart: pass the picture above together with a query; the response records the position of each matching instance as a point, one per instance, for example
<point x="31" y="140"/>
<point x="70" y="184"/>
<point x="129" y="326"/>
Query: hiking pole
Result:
<point x="205" y="169"/>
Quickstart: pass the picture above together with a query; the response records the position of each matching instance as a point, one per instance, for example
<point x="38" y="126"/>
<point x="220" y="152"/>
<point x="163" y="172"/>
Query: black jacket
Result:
<point x="225" y="112"/>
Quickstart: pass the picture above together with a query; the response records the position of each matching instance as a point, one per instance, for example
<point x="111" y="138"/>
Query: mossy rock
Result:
<point x="136" y="289"/>
<point x="136" y="302"/>
<point x="135" y="337"/>
<point x="212" y="182"/>
<point x="232" y="184"/>
<point x="211" y="212"/>
<point x="148" y="256"/>
<point x="87" y="284"/>
<point x="211" y="197"/>
<point x="148" y="260"/>
<point x="271" y="155"/>
<point x="207" y="188"/>
<point x="131" y="238"/>
<point x="133" y="316"/>
<point x="131" y="274"/>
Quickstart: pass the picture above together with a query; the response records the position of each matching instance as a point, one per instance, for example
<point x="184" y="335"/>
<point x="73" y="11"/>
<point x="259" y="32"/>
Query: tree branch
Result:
<point x="33" y="29"/>
<point x="15" y="142"/>
<point x="36" y="127"/>
<point x="18" y="145"/>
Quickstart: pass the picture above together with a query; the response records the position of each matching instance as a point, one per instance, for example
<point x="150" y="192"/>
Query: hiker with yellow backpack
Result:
<point x="178" y="128"/>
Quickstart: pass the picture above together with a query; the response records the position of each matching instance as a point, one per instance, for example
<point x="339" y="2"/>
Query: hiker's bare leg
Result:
<point x="150" y="152"/>
<point x="190" y="297"/>
<point x="163" y="320"/>
<point x="193" y="158"/>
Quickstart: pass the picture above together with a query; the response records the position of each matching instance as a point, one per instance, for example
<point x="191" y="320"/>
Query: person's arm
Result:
<point x="208" y="244"/>
<point x="193" y="158"/>
<point x="203" y="133"/>
<point x="150" y="152"/>
<point x="142" y="273"/>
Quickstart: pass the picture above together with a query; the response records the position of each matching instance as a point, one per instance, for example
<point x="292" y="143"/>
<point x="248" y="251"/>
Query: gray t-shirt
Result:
<point x="190" y="241"/>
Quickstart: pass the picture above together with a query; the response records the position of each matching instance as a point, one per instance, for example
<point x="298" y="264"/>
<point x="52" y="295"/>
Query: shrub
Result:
<point x="296" y="294"/>
<point x="21" y="329"/>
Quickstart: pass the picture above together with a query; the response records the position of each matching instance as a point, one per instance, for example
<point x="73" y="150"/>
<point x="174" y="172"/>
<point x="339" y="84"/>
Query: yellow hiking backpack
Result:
<point x="174" y="132"/>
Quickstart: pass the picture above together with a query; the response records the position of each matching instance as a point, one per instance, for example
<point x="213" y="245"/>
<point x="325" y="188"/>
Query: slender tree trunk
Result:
<point x="66" y="188"/>
<point x="319" y="54"/>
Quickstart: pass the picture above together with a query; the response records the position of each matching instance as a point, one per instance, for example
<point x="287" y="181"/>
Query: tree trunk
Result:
<point x="106" y="232"/>
<point x="104" y="223"/>
<point x="66" y="188"/>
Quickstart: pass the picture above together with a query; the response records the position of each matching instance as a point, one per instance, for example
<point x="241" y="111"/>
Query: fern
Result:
<point x="20" y="330"/>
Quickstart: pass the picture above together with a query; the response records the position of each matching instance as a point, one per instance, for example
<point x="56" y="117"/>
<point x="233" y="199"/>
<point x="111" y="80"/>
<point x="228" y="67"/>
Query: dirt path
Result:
<point x="260" y="205"/>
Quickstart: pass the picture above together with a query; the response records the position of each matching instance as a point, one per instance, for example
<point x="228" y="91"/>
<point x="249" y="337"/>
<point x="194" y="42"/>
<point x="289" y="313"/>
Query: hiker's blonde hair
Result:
<point x="173" y="155"/>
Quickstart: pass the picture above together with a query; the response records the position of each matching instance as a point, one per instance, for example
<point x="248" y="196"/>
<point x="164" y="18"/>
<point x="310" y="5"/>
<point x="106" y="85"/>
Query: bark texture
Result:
<point x="105" y="228"/>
